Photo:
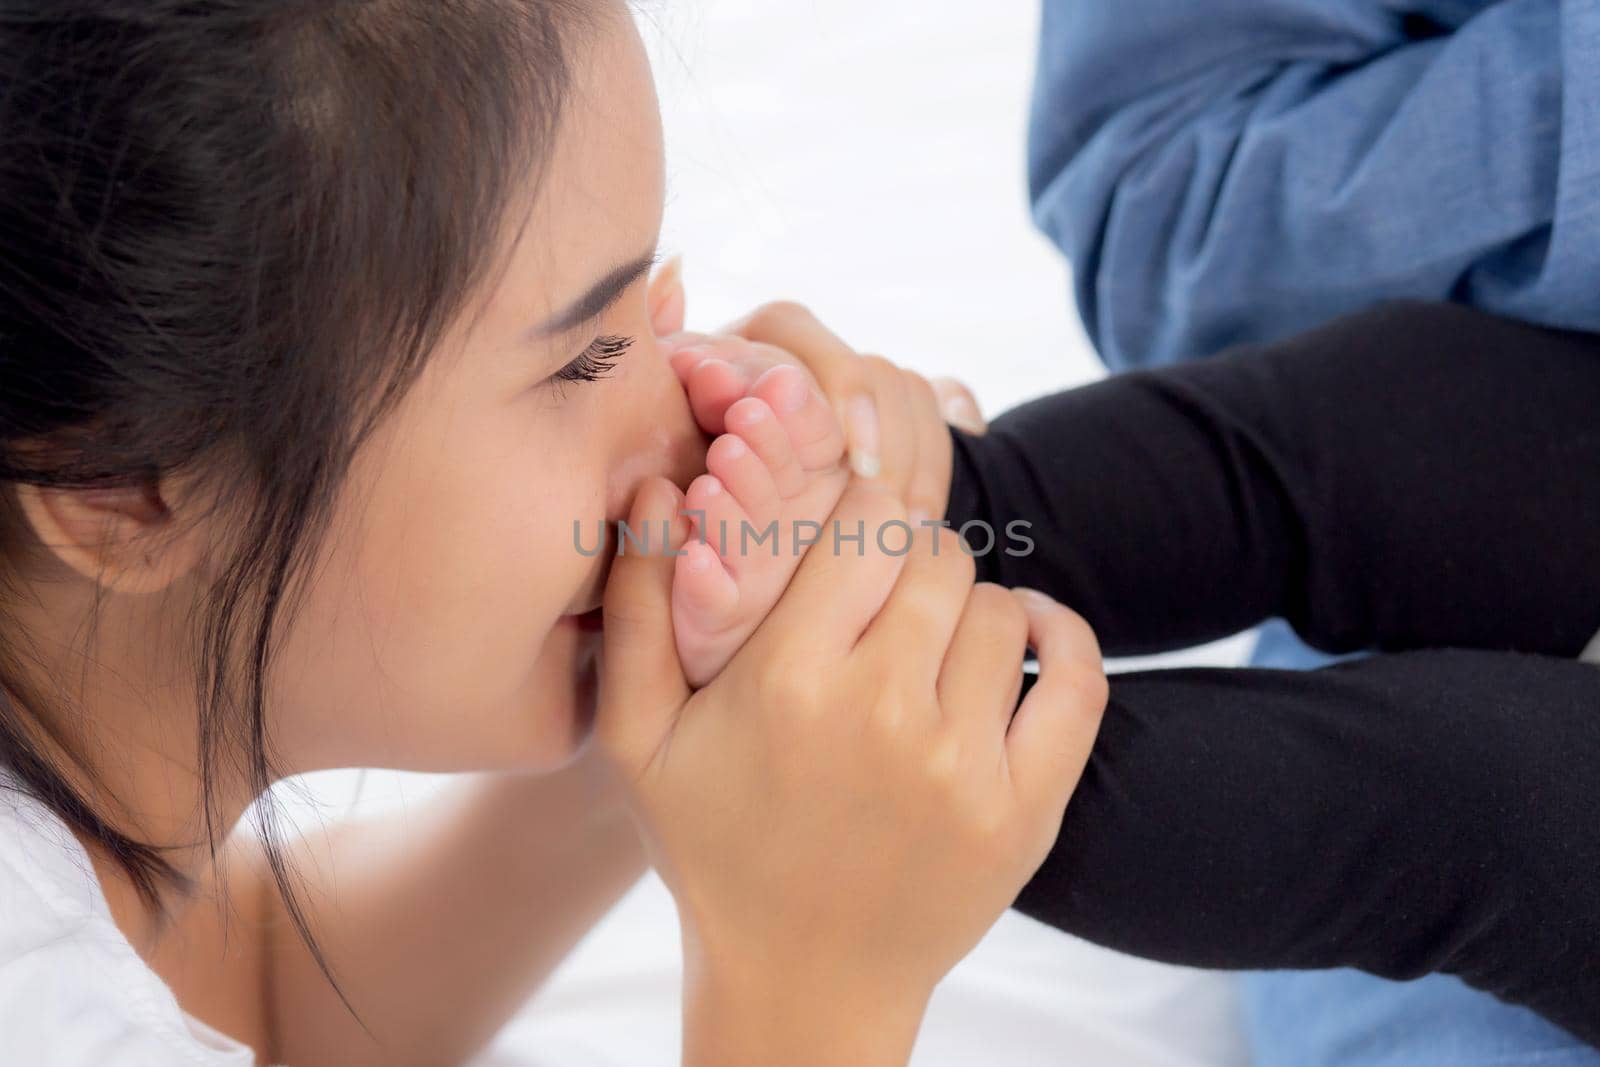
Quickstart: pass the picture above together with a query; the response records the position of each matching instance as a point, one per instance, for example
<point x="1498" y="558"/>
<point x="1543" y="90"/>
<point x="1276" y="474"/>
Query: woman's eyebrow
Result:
<point x="600" y="296"/>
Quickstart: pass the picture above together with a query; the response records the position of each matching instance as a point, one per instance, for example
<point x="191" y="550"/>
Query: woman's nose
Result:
<point x="658" y="435"/>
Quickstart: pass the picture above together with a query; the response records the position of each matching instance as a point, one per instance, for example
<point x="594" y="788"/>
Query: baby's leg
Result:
<point x="1403" y="814"/>
<point x="1414" y="476"/>
<point x="778" y="467"/>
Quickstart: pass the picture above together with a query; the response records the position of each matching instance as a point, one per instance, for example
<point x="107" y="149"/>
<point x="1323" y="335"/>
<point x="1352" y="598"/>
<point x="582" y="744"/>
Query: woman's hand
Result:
<point x="850" y="805"/>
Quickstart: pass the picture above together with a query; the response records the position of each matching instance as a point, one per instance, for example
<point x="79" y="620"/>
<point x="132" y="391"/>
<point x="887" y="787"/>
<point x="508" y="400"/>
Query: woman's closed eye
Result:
<point x="595" y="362"/>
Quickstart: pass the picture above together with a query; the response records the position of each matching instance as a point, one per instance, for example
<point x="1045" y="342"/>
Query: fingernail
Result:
<point x="861" y="425"/>
<point x="671" y="272"/>
<point x="960" y="406"/>
<point x="865" y="464"/>
<point x="963" y="415"/>
<point x="1036" y="599"/>
<point x="750" y="412"/>
<point x="918" y="517"/>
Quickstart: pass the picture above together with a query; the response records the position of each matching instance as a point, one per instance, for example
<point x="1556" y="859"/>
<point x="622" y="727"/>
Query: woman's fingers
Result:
<point x="982" y="670"/>
<point x="958" y="406"/>
<point x="1053" y="731"/>
<point x="928" y="484"/>
<point x="896" y="444"/>
<point x="641" y="680"/>
<point x="842" y="583"/>
<point x="914" y="630"/>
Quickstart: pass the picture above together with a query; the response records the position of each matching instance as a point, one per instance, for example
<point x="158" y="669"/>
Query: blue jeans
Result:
<point x="1351" y="1019"/>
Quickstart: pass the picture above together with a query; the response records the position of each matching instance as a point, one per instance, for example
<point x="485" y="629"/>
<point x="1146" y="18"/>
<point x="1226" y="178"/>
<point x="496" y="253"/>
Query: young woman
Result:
<point x="314" y="319"/>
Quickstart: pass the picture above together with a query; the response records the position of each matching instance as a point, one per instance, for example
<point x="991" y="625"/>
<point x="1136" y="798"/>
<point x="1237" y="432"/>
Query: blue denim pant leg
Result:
<point x="1351" y="1019"/>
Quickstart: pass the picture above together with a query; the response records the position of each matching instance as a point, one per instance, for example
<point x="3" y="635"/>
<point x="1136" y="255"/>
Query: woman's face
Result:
<point x="442" y="631"/>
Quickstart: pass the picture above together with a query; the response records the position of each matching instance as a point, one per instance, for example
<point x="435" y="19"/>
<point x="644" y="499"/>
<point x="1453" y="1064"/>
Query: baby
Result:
<point x="1416" y="481"/>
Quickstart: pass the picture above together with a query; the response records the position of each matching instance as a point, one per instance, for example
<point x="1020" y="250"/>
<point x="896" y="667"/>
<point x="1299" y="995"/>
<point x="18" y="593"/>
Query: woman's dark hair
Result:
<point x="231" y="231"/>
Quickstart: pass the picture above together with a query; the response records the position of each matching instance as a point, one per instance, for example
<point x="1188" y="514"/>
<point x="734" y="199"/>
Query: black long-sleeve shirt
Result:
<point x="1420" y="481"/>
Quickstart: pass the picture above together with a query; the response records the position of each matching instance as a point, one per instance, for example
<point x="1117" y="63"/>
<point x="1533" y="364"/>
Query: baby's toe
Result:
<point x="758" y="426"/>
<point x="744" y="476"/>
<point x="703" y="588"/>
<point x="705" y="603"/>
<point x="713" y="386"/>
<point x="813" y="428"/>
<point x="720" y="521"/>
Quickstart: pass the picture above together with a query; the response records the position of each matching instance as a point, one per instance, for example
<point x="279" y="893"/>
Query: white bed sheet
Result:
<point x="1029" y="996"/>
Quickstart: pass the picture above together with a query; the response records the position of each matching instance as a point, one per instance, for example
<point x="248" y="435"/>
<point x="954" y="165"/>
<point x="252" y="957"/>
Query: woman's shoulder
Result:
<point x="72" y="989"/>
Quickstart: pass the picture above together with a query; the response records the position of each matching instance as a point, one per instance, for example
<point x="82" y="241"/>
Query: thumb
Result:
<point x="642" y="686"/>
<point x="667" y="300"/>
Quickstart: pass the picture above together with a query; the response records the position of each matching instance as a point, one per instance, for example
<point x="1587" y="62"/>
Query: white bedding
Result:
<point x="1028" y="997"/>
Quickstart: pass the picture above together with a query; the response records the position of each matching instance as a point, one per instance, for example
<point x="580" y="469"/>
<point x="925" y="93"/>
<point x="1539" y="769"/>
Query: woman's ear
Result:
<point x="129" y="540"/>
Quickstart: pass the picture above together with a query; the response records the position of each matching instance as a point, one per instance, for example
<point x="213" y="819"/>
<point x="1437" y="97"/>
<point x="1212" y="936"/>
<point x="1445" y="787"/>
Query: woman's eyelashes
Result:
<point x="595" y="362"/>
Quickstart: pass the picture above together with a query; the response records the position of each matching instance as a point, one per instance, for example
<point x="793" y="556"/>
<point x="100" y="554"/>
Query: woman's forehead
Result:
<point x="599" y="193"/>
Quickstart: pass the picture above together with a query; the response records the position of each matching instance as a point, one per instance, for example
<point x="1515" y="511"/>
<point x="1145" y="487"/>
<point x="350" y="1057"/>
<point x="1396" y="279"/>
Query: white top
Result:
<point x="73" y="991"/>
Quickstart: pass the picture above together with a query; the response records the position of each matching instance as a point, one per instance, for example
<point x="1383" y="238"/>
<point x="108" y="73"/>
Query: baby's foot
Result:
<point x="777" y="467"/>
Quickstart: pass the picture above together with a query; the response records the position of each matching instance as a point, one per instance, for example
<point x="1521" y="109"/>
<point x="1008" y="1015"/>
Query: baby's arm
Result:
<point x="1414" y="476"/>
